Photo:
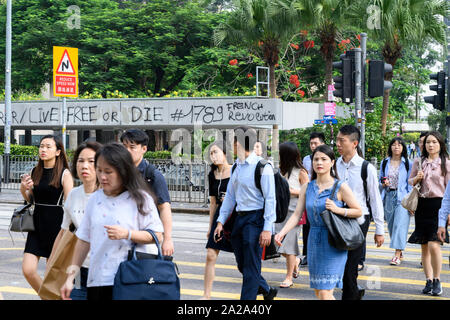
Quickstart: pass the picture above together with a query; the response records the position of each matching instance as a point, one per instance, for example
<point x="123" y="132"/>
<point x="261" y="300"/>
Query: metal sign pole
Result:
<point x="63" y="121"/>
<point x="8" y="111"/>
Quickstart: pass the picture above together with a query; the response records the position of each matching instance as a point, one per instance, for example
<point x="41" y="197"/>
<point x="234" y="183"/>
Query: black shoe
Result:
<point x="361" y="292"/>
<point x="304" y="261"/>
<point x="437" y="287"/>
<point x="271" y="294"/>
<point x="428" y="287"/>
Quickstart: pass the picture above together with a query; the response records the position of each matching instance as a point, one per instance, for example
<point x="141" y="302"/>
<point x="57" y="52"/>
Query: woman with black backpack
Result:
<point x="394" y="175"/>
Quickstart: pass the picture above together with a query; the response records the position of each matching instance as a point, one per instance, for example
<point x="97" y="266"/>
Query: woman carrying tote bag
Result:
<point x="114" y="219"/>
<point x="433" y="179"/>
<point x="83" y="168"/>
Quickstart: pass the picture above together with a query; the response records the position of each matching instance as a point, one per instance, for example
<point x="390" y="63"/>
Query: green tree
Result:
<point x="327" y="19"/>
<point x="263" y="24"/>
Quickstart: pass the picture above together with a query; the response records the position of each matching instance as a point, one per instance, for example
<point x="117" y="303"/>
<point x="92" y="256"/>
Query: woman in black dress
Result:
<point x="49" y="183"/>
<point x="219" y="176"/>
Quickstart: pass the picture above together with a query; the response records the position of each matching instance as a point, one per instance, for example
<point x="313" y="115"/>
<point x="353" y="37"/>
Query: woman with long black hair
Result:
<point x="326" y="264"/>
<point x="292" y="169"/>
<point x="120" y="211"/>
<point x="218" y="177"/>
<point x="433" y="178"/>
<point x="394" y="175"/>
<point x="50" y="181"/>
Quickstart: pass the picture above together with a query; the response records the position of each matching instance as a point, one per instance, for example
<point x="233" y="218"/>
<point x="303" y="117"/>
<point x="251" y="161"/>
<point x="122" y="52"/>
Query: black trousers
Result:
<point x="350" y="289"/>
<point x="100" y="293"/>
<point x="305" y="233"/>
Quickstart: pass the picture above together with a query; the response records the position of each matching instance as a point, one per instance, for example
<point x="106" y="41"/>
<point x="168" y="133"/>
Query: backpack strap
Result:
<point x="258" y="173"/>
<point x="383" y="166"/>
<point x="364" y="179"/>
<point x="149" y="173"/>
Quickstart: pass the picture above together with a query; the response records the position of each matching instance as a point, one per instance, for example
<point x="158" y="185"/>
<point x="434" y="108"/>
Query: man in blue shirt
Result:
<point x="255" y="218"/>
<point x="136" y="142"/>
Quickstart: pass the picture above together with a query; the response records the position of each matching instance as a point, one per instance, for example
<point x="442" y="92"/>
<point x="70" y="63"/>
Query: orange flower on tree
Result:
<point x="233" y="62"/>
<point x="308" y="44"/>
<point x="301" y="93"/>
<point x="249" y="75"/>
<point x="304" y="32"/>
<point x="295" y="46"/>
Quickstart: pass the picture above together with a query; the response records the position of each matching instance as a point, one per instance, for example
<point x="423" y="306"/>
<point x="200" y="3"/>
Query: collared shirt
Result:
<point x="433" y="183"/>
<point x="351" y="173"/>
<point x="243" y="193"/>
<point x="158" y="185"/>
<point x="107" y="254"/>
<point x="444" y="211"/>
<point x="403" y="186"/>
<point x="307" y="164"/>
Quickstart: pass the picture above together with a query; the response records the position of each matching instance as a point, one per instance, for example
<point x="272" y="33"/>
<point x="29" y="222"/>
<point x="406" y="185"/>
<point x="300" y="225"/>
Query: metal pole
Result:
<point x="63" y="121"/>
<point x="363" y="92"/>
<point x="357" y="87"/>
<point x="8" y="111"/>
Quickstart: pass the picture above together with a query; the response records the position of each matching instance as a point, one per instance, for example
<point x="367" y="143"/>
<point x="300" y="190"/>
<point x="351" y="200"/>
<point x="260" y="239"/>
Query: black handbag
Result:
<point x="271" y="251"/>
<point x="146" y="279"/>
<point x="22" y="218"/>
<point x="343" y="233"/>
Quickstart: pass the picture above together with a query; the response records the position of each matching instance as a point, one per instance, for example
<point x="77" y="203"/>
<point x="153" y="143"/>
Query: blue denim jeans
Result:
<point x="397" y="219"/>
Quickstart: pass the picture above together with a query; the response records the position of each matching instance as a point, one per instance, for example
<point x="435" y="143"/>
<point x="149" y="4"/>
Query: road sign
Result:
<point x="330" y="108"/>
<point x="65" y="72"/>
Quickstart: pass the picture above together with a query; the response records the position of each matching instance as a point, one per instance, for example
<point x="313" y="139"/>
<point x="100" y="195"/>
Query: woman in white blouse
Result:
<point x="115" y="217"/>
<point x="82" y="168"/>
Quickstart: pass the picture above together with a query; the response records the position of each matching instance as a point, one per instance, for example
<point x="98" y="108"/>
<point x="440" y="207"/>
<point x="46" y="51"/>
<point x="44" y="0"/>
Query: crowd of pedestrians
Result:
<point x="121" y="194"/>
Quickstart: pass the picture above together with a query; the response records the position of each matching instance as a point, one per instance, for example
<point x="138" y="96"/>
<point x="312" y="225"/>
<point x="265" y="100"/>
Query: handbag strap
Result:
<point x="333" y="191"/>
<point x="155" y="238"/>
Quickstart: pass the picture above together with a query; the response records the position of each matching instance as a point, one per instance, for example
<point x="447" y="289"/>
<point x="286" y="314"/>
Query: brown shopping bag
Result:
<point x="56" y="276"/>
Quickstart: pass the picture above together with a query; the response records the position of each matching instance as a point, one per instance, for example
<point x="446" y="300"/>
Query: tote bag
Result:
<point x="146" y="279"/>
<point x="55" y="276"/>
<point x="343" y="233"/>
<point x="410" y="201"/>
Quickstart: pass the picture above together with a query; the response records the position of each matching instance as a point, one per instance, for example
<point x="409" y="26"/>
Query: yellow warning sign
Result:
<point x="65" y="72"/>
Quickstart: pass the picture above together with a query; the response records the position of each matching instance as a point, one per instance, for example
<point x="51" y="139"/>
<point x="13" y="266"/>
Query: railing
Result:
<point x="186" y="182"/>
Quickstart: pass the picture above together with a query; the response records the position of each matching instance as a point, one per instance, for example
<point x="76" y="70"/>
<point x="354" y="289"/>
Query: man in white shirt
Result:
<point x="349" y="170"/>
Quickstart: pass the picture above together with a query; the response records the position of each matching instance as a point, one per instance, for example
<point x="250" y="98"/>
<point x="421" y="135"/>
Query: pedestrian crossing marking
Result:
<point x="10" y="289"/>
<point x="191" y="276"/>
<point x="306" y="273"/>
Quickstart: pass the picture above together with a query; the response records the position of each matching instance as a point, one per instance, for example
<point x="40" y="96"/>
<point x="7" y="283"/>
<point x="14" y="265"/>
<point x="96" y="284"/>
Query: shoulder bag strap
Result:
<point x="333" y="191"/>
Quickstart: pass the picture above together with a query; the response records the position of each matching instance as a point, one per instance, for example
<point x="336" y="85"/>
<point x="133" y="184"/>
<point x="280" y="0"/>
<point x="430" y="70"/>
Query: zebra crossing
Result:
<point x="381" y="280"/>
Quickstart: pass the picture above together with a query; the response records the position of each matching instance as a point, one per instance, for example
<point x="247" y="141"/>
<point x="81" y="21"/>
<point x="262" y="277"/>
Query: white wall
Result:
<point x="302" y="115"/>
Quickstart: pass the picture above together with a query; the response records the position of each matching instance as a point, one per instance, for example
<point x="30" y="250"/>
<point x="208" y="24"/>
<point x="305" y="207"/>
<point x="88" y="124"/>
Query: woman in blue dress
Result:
<point x="326" y="264"/>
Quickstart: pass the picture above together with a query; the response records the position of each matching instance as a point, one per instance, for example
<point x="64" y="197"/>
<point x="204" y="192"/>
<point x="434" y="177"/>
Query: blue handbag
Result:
<point x="146" y="279"/>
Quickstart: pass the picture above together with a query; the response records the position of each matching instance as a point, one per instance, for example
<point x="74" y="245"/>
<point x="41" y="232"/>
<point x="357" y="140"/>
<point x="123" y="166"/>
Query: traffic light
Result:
<point x="377" y="84"/>
<point x="438" y="101"/>
<point x="343" y="84"/>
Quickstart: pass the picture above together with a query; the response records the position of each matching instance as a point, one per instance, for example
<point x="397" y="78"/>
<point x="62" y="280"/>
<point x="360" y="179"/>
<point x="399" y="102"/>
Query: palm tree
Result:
<point x="268" y="24"/>
<point x="406" y="23"/>
<point x="327" y="18"/>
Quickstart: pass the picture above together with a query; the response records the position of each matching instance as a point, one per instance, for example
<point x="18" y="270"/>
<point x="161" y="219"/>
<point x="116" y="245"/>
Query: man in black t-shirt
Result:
<point x="136" y="142"/>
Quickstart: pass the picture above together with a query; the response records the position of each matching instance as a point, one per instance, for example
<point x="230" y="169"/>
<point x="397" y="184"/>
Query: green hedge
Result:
<point x="17" y="149"/>
<point x="20" y="150"/>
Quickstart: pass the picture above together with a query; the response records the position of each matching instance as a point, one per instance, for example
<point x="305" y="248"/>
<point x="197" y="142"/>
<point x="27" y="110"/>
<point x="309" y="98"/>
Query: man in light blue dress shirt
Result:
<point x="444" y="213"/>
<point x="255" y="218"/>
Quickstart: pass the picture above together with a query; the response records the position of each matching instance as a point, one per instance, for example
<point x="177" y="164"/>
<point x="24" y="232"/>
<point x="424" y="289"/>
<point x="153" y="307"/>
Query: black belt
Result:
<point x="390" y="189"/>
<point x="245" y="213"/>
